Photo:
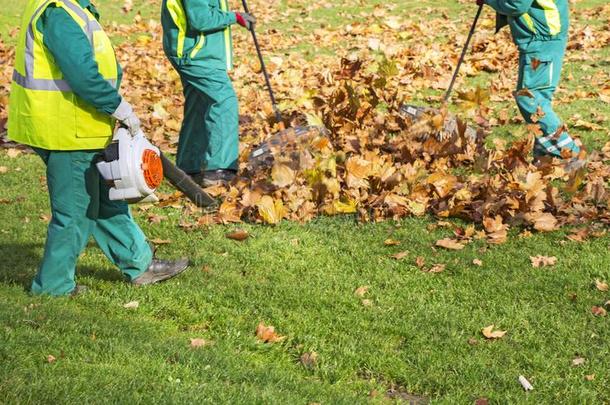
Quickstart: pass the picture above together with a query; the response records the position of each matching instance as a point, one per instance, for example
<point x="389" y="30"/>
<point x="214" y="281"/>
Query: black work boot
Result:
<point x="160" y="270"/>
<point x="217" y="177"/>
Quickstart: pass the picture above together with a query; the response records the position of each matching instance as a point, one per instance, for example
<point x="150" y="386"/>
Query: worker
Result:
<point x="540" y="30"/>
<point x="197" y="42"/>
<point x="64" y="103"/>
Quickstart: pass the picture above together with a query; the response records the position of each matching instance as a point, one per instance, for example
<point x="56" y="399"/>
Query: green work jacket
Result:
<point x="198" y="32"/>
<point x="533" y="20"/>
<point x="73" y="54"/>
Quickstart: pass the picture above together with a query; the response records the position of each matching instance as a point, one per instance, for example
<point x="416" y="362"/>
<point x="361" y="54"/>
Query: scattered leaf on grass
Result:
<point x="131" y="305"/>
<point x="590" y="377"/>
<point x="238" y="235"/>
<point x="360" y="291"/>
<point x="481" y="401"/>
<point x="450" y="244"/>
<point x="51" y="358"/>
<point x="489" y="333"/>
<point x="198" y="342"/>
<point x="309" y="359"/>
<point x="601" y="285"/>
<point x="473" y="341"/>
<point x="3" y="169"/>
<point x="599" y="311"/>
<point x="13" y="153"/>
<point x="420" y="261"/>
<point x="367" y="303"/>
<point x="477" y="262"/>
<point x="579" y="235"/>
<point x="391" y="242"/>
<point x="267" y="334"/>
<point x="543" y="261"/>
<point x="158" y="241"/>
<point x="156" y="219"/>
<point x="400" y="255"/>
<point x="437" y="268"/>
<point x="578" y="361"/>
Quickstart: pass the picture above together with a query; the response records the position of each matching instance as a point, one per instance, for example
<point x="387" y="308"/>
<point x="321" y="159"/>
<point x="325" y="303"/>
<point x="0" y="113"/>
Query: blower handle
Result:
<point x="459" y="65"/>
<point x="276" y="110"/>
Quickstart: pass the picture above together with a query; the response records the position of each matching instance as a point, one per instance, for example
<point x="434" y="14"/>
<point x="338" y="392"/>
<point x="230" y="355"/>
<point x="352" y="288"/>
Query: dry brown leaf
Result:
<point x="272" y="211"/>
<point x="131" y="305"/>
<point x="361" y="291"/>
<point x="543" y="261"/>
<point x="545" y="223"/>
<point x="590" y="377"/>
<point x="489" y="332"/>
<point x="599" y="311"/>
<point x="391" y="242"/>
<point x="282" y="175"/>
<point x="238" y="235"/>
<point x="199" y="342"/>
<point x="578" y="361"/>
<point x="267" y="334"/>
<point x="158" y="241"/>
<point x="450" y="244"/>
<point x="3" y="169"/>
<point x="601" y="285"/>
<point x="477" y="262"/>
<point x="400" y="255"/>
<point x="51" y="358"/>
<point x="420" y="261"/>
<point x="437" y="268"/>
<point x="13" y="153"/>
<point x="309" y="360"/>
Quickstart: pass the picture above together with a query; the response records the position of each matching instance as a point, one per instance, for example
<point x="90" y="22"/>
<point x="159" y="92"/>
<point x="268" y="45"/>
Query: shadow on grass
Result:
<point x="19" y="263"/>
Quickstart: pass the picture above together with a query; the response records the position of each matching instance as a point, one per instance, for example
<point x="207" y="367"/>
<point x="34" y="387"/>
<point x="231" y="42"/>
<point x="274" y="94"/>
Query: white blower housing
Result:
<point x="133" y="166"/>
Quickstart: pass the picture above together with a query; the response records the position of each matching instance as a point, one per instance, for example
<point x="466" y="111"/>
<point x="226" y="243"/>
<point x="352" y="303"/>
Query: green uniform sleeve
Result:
<point x="511" y="8"/>
<point x="73" y="54"/>
<point x="204" y="17"/>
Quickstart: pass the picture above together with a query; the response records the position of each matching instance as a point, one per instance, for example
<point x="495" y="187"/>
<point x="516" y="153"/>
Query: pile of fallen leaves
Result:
<point x="372" y="160"/>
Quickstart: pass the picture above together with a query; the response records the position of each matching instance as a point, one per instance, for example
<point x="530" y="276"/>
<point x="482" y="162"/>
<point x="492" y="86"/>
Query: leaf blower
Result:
<point x="135" y="168"/>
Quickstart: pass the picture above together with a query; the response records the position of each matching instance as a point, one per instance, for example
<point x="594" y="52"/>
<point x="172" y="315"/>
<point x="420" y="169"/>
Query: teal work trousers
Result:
<point x="209" y="138"/>
<point x="540" y="72"/>
<point x="80" y="208"/>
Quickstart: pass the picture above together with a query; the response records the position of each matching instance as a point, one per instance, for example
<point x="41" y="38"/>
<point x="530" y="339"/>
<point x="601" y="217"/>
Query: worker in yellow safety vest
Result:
<point x="64" y="103"/>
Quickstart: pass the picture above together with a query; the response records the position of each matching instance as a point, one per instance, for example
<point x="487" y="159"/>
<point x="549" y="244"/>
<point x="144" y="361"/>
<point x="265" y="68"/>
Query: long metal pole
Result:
<point x="278" y="114"/>
<point x="459" y="65"/>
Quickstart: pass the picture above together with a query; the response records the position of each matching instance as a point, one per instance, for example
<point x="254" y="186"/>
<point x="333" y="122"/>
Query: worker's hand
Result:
<point x="125" y="115"/>
<point x="480" y="2"/>
<point x="246" y="20"/>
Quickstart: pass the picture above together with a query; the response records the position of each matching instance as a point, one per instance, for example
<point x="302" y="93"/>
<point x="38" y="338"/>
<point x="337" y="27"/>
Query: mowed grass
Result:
<point x="419" y="335"/>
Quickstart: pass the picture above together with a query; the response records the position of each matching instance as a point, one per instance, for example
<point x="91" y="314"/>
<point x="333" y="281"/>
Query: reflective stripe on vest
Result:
<point x="530" y="23"/>
<point x="551" y="13"/>
<point x="178" y="15"/>
<point x="228" y="48"/>
<point x="44" y="111"/>
<point x="28" y="81"/>
<point x="176" y="11"/>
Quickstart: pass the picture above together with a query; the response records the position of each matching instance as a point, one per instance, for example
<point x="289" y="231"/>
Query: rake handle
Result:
<point x="278" y="115"/>
<point x="459" y="65"/>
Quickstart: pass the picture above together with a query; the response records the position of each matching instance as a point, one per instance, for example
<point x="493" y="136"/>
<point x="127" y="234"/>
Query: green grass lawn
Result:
<point x="417" y="336"/>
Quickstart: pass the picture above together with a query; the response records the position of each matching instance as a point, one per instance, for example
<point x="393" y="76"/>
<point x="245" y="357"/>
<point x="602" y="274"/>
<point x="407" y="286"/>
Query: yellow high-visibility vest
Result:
<point x="43" y="110"/>
<point x="178" y="15"/>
